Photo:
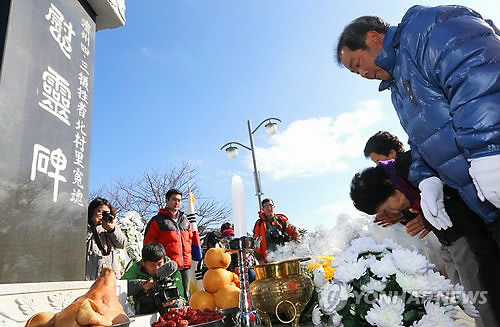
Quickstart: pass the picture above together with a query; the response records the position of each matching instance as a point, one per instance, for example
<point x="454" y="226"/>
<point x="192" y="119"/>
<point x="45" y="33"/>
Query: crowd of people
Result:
<point x="442" y="67"/>
<point x="167" y="247"/>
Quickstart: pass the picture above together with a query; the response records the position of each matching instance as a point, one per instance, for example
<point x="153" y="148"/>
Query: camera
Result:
<point x="278" y="236"/>
<point x="164" y="288"/>
<point x="107" y="217"/>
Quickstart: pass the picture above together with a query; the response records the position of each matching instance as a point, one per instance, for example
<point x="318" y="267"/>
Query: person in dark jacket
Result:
<point x="140" y="278"/>
<point x="385" y="190"/>
<point x="171" y="228"/>
<point x="442" y="66"/>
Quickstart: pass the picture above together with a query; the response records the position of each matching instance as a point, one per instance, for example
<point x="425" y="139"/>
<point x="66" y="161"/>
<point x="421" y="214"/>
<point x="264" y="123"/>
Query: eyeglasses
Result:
<point x="269" y="206"/>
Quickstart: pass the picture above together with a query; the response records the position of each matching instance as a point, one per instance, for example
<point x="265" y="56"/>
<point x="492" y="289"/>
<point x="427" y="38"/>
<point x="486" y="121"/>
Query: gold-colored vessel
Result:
<point x="282" y="289"/>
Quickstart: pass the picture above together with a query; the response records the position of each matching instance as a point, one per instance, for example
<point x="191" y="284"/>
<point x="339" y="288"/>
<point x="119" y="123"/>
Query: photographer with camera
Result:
<point x="103" y="238"/>
<point x="274" y="230"/>
<point x="154" y="283"/>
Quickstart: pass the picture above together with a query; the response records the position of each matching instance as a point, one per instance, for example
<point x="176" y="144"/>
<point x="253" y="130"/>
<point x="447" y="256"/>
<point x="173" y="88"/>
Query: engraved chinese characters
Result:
<point x="64" y="100"/>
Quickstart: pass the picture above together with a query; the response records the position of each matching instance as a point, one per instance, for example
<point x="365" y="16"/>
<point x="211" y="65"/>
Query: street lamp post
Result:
<point x="232" y="151"/>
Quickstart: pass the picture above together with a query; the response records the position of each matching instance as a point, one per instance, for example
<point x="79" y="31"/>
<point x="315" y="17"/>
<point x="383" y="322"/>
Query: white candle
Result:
<point x="238" y="207"/>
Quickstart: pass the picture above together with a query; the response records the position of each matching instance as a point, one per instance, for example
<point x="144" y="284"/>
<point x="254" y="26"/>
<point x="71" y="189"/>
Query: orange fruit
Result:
<point x="217" y="258"/>
<point x="202" y="300"/>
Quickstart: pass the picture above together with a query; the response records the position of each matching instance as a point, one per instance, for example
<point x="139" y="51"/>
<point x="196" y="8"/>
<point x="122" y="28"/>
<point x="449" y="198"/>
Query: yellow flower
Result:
<point x="324" y="261"/>
<point x="329" y="273"/>
<point x="313" y="265"/>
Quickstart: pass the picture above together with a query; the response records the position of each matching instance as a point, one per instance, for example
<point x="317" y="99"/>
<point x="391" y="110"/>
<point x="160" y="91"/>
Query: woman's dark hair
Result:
<point x="353" y="35"/>
<point x="153" y="252"/>
<point x="171" y="192"/>
<point x="93" y="205"/>
<point x="96" y="203"/>
<point x="382" y="143"/>
<point x="370" y="188"/>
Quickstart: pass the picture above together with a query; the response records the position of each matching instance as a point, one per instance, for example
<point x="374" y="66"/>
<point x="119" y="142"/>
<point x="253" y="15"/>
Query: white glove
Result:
<point x="485" y="173"/>
<point x="431" y="202"/>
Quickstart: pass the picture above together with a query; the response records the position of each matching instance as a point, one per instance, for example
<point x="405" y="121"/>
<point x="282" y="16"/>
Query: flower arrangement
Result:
<point x="131" y="225"/>
<point x="384" y="285"/>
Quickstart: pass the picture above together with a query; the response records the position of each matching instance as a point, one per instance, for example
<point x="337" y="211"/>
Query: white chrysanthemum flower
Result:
<point x="345" y="257"/>
<point x="468" y="306"/>
<point x="333" y="296"/>
<point x="319" y="277"/>
<point x="436" y="316"/>
<point x="438" y="283"/>
<point x="413" y="284"/>
<point x="410" y="262"/>
<point x="368" y="260"/>
<point x="470" y="310"/>
<point x="430" y="284"/>
<point x="373" y="286"/>
<point x="384" y="267"/>
<point x="390" y="244"/>
<point x="349" y="271"/>
<point x="316" y="316"/>
<point x="386" y="312"/>
<point x="365" y="244"/>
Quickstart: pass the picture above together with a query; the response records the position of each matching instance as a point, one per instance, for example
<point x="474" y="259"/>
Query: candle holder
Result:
<point x="247" y="316"/>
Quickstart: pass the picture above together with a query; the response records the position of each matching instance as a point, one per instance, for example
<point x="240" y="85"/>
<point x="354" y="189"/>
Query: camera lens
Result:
<point x="107" y="217"/>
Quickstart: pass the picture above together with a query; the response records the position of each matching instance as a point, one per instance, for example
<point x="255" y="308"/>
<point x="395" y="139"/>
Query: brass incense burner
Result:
<point x="281" y="289"/>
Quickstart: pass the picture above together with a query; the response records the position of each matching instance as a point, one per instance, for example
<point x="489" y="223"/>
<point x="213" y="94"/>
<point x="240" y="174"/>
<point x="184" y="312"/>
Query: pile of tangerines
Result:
<point x="221" y="285"/>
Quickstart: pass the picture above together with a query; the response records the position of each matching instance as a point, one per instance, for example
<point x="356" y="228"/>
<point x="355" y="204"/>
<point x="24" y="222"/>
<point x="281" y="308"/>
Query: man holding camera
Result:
<point x="273" y="229"/>
<point x="154" y="282"/>
<point x="172" y="229"/>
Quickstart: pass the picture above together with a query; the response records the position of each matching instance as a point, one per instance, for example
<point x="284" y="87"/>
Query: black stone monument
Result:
<point x="46" y="86"/>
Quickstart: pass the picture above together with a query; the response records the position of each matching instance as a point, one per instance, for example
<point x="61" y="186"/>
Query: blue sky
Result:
<point x="181" y="79"/>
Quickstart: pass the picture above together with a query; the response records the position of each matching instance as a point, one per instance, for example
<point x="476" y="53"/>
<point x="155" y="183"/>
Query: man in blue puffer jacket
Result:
<point x="442" y="65"/>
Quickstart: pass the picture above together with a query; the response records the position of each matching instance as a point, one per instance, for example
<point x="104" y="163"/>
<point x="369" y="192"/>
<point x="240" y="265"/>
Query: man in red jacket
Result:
<point x="171" y="228"/>
<point x="274" y="230"/>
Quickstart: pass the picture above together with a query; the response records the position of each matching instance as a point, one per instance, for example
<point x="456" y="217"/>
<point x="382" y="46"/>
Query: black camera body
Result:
<point x="278" y="236"/>
<point x="163" y="290"/>
<point x="107" y="217"/>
